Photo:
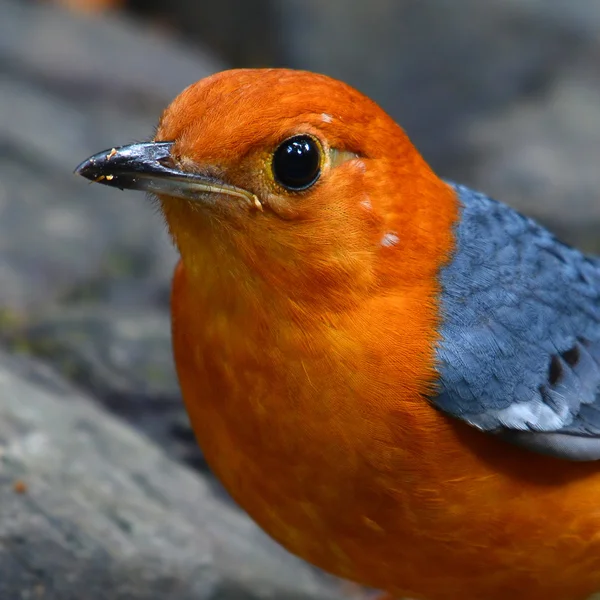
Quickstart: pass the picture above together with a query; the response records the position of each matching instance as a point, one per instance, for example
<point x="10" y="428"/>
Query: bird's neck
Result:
<point x="235" y="307"/>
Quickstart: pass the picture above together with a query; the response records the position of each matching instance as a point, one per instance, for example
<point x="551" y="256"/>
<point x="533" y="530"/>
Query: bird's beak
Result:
<point x="149" y="167"/>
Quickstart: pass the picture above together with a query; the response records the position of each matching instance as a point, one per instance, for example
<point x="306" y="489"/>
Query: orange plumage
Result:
<point x="305" y="325"/>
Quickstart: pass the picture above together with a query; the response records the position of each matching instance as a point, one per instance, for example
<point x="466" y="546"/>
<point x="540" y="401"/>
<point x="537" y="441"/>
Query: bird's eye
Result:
<point x="297" y="163"/>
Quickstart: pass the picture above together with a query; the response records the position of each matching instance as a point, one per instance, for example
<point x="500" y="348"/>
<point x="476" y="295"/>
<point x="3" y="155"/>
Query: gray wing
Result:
<point x="519" y="354"/>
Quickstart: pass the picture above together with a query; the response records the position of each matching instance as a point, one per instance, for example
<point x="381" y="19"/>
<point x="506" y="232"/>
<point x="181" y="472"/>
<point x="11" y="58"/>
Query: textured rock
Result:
<point x="124" y="357"/>
<point x="89" y="509"/>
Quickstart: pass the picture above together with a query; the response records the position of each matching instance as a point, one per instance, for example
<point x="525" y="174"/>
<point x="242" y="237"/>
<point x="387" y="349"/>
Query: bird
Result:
<point x="396" y="376"/>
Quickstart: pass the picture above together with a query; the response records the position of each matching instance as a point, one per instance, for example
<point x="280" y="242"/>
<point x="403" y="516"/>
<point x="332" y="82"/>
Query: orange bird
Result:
<point x="398" y="378"/>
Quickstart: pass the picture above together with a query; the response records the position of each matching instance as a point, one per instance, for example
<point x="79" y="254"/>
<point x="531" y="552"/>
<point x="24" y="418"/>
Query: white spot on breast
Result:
<point x="389" y="239"/>
<point x="326" y="118"/>
<point x="366" y="203"/>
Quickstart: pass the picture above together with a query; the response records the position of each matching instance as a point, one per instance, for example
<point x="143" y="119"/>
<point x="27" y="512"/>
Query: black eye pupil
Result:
<point x="297" y="163"/>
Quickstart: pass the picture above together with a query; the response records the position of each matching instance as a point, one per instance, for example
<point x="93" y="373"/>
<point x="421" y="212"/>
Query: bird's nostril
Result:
<point x="167" y="161"/>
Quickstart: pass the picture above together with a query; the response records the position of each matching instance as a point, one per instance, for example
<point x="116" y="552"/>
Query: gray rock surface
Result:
<point x="542" y="155"/>
<point x="124" y="355"/>
<point x="91" y="510"/>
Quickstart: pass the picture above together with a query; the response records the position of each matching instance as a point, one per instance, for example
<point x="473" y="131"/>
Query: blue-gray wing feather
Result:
<point x="520" y="338"/>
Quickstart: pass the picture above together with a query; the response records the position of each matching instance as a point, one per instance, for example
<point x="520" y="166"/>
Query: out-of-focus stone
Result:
<point x="243" y="33"/>
<point x="542" y="157"/>
<point x="124" y="358"/>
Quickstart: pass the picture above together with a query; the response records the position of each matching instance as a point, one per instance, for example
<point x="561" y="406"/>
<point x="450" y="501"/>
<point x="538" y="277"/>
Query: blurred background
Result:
<point x="502" y="95"/>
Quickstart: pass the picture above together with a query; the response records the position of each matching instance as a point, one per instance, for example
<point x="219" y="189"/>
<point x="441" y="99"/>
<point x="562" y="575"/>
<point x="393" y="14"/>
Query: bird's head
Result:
<point x="289" y="179"/>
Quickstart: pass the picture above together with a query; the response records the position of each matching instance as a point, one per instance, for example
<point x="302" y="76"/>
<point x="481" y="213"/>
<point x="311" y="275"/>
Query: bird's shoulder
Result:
<point x="519" y="350"/>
